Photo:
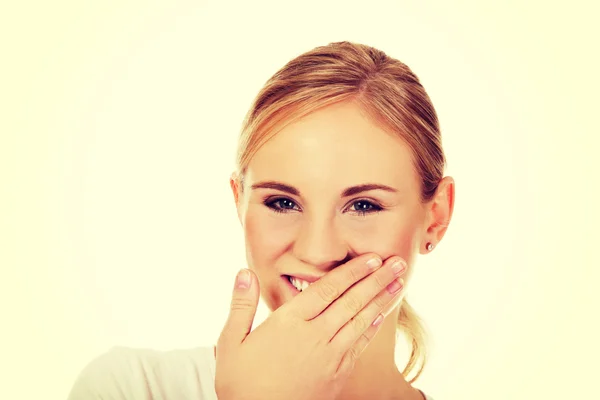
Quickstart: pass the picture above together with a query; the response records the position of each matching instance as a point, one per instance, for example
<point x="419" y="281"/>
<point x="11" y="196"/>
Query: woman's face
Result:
<point x="325" y="189"/>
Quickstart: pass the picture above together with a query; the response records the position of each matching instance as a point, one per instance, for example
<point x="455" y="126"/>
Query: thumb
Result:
<point x="244" y="303"/>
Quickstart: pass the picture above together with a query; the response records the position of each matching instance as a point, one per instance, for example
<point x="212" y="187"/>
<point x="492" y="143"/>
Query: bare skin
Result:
<point x="318" y="230"/>
<point x="307" y="348"/>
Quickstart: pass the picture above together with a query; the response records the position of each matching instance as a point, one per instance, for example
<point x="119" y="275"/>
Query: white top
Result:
<point x="140" y="374"/>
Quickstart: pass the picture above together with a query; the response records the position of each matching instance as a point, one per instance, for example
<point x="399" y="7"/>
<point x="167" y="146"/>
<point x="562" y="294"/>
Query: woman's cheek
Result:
<point x="391" y="241"/>
<point x="266" y="237"/>
<point x="406" y="245"/>
<point x="391" y="238"/>
<point x="263" y="246"/>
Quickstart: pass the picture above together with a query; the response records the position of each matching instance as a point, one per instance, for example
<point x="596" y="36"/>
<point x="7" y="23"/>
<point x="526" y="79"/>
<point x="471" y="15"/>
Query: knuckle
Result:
<point x="380" y="302"/>
<point x="352" y="304"/>
<point x="364" y="338"/>
<point x="352" y="355"/>
<point x="347" y="365"/>
<point x="359" y="323"/>
<point x="355" y="273"/>
<point x="328" y="292"/>
<point x="332" y="363"/>
<point x="241" y="303"/>
<point x="381" y="284"/>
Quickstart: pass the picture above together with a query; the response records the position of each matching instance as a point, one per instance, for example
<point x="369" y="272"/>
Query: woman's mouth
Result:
<point x="296" y="284"/>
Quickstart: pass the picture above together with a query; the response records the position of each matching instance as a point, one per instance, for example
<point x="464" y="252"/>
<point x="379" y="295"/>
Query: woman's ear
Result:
<point x="234" y="183"/>
<point x="439" y="211"/>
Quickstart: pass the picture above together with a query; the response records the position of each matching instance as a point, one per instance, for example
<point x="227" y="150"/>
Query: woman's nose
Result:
<point x="320" y="244"/>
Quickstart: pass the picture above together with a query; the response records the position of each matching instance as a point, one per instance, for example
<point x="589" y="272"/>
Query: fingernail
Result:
<point x="374" y="262"/>
<point x="395" y="286"/>
<point x="243" y="279"/>
<point x="399" y="266"/>
<point x="378" y="320"/>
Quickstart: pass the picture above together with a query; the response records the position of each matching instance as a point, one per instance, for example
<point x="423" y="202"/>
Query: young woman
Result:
<point x="339" y="185"/>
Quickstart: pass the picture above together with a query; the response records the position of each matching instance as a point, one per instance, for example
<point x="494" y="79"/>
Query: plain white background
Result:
<point x="117" y="222"/>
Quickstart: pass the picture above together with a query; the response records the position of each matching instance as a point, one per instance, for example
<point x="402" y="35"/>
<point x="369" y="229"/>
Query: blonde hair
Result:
<point x="387" y="90"/>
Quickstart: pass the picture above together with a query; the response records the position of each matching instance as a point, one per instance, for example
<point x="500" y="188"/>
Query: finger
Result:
<point x="351" y="356"/>
<point x="244" y="303"/>
<point x="349" y="305"/>
<point x="318" y="296"/>
<point x="387" y="286"/>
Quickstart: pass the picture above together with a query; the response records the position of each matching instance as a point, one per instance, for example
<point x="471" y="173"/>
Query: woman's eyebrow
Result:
<point x="278" y="186"/>
<point x="350" y="191"/>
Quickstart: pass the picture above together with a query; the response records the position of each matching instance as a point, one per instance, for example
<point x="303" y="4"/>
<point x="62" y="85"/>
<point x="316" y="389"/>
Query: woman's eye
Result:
<point x="280" y="205"/>
<point x="363" y="207"/>
<point x="360" y="207"/>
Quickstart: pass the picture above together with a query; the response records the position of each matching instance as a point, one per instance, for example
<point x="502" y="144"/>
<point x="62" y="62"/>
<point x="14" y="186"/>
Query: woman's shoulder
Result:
<point x="130" y="373"/>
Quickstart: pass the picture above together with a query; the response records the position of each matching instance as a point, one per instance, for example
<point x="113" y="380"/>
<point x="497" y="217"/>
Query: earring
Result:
<point x="429" y="246"/>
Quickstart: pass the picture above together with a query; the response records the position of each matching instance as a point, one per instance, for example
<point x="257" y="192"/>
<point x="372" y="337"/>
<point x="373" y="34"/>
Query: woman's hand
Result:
<point x="306" y="349"/>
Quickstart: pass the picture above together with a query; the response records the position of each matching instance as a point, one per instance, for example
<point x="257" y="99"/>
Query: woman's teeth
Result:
<point x="299" y="283"/>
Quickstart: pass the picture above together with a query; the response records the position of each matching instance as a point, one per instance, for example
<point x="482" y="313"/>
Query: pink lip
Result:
<point x="307" y="278"/>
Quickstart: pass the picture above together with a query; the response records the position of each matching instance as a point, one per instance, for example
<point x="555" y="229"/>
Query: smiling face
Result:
<point x="305" y="208"/>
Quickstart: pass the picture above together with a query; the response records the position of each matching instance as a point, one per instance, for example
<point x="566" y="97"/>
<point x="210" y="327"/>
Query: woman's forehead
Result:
<point x="335" y="144"/>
